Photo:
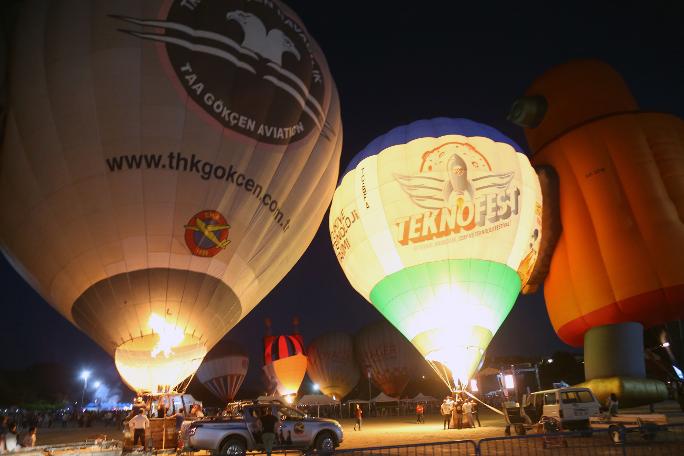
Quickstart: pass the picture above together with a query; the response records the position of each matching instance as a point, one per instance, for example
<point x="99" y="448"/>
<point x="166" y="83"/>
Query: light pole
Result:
<point x="84" y="375"/>
<point x="368" y="373"/>
<point x="96" y="384"/>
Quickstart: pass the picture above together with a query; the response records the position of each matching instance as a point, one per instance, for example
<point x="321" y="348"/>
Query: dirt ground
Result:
<point x="376" y="431"/>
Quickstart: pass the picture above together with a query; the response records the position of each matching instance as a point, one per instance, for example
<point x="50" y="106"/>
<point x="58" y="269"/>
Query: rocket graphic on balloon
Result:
<point x="618" y="265"/>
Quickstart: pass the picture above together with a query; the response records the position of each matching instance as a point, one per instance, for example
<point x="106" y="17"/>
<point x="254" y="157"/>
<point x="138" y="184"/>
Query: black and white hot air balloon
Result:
<point x="162" y="175"/>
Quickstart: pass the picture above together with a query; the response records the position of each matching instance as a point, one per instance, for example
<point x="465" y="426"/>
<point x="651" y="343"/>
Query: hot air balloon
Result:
<point x="437" y="224"/>
<point x="285" y="363"/>
<point x="332" y="365"/>
<point x="387" y="355"/>
<point x="223" y="370"/>
<point x="618" y="265"/>
<point x="174" y="161"/>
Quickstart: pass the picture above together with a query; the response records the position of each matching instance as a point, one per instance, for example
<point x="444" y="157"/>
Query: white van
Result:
<point x="572" y="406"/>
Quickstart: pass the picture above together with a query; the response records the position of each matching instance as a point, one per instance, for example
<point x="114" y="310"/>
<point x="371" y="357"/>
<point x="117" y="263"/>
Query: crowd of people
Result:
<point x="459" y="412"/>
<point x="139" y="423"/>
<point x="19" y="428"/>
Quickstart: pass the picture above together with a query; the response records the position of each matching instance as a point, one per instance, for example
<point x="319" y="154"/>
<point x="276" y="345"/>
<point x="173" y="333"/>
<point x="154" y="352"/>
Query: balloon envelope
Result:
<point x="286" y="374"/>
<point x="621" y="202"/>
<point x="437" y="224"/>
<point x="174" y="161"/>
<point x="280" y="347"/>
<point x="223" y="370"/>
<point x="389" y="357"/>
<point x="332" y="365"/>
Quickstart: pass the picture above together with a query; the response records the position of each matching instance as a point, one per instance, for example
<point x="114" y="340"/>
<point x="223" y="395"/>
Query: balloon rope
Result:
<point x="486" y="405"/>
<point x="443" y="374"/>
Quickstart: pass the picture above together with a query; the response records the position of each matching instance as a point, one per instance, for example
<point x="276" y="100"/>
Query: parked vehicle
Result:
<point x="237" y="432"/>
<point x="572" y="406"/>
<point x="647" y="424"/>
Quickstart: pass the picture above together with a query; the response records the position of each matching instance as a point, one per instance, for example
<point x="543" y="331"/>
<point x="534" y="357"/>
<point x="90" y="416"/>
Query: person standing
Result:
<point x="267" y="423"/>
<point x="476" y="416"/>
<point x="420" y="410"/>
<point x="139" y="424"/>
<point x="358" y="414"/>
<point x="28" y="440"/>
<point x="180" y="417"/>
<point x="468" y="414"/>
<point x="458" y="412"/>
<point x="161" y="409"/>
<point x="612" y="405"/>
<point x="10" y="441"/>
<point x="445" y="409"/>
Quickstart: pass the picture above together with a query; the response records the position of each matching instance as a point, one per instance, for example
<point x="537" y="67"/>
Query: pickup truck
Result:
<point x="237" y="432"/>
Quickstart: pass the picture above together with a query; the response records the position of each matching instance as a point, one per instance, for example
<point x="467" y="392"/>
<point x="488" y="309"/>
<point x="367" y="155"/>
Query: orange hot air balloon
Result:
<point x="618" y="265"/>
<point x="285" y="363"/>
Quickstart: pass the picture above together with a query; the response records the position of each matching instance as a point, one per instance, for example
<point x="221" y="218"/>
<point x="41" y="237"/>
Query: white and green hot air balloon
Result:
<point x="164" y="165"/>
<point x="438" y="225"/>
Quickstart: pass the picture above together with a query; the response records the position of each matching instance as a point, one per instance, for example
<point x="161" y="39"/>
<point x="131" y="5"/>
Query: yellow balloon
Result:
<point x="437" y="224"/>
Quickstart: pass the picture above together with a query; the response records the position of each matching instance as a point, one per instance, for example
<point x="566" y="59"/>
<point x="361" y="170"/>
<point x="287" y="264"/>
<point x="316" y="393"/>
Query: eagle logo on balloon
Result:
<point x="259" y="52"/>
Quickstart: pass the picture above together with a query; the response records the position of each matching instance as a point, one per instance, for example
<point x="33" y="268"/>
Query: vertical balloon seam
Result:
<point x="575" y="302"/>
<point x="307" y="233"/>
<point x="334" y="152"/>
<point x="576" y="183"/>
<point x="612" y="152"/>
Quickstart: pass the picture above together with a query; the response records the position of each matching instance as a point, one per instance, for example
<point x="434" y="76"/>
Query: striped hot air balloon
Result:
<point x="223" y="370"/>
<point x="174" y="161"/>
<point x="285" y="362"/>
<point x="332" y="364"/>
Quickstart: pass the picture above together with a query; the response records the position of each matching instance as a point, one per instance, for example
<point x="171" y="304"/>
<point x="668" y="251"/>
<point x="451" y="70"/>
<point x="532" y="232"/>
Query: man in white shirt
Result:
<point x="138" y="424"/>
<point x="446" y="409"/>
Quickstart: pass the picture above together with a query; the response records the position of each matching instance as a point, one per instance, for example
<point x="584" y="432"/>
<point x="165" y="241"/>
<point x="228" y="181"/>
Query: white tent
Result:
<point x="317" y="399"/>
<point x="382" y="397"/>
<point x="420" y="397"/>
<point x="357" y="401"/>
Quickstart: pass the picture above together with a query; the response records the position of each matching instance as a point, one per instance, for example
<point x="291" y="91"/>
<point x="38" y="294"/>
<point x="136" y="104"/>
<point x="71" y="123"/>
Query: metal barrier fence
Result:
<point x="643" y="441"/>
<point x="452" y="448"/>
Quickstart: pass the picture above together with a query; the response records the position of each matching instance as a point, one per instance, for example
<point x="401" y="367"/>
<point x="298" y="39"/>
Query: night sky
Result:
<point x="392" y="65"/>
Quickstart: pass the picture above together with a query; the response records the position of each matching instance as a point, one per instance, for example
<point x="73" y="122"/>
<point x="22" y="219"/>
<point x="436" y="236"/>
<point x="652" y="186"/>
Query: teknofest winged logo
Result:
<point x="246" y="64"/>
<point x="459" y="191"/>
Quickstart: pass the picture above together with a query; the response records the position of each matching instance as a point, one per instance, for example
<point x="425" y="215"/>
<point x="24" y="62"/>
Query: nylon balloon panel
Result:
<point x="440" y="234"/>
<point x="287" y="373"/>
<point x="139" y="150"/>
<point x="331" y="364"/>
<point x="393" y="211"/>
<point x="383" y="350"/>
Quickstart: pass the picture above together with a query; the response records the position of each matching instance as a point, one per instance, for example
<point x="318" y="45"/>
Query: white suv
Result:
<point x="572" y="406"/>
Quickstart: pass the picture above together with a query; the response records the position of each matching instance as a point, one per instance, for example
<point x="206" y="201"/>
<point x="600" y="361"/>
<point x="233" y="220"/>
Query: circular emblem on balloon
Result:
<point x="248" y="65"/>
<point x="206" y="233"/>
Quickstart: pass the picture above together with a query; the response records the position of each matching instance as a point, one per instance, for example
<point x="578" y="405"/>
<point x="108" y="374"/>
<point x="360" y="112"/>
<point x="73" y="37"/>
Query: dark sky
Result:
<point x="393" y="64"/>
